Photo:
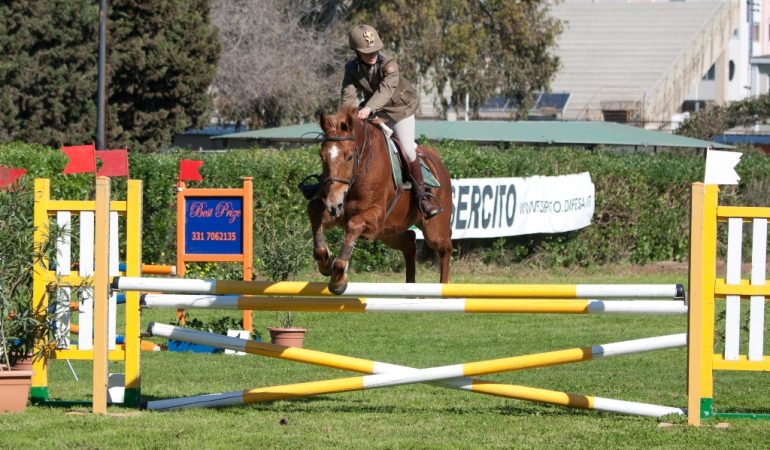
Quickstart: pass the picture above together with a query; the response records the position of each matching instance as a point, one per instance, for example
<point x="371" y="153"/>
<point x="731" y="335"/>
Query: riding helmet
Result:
<point x="364" y="39"/>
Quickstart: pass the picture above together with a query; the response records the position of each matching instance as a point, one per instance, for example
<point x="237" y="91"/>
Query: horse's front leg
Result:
<point x="318" y="216"/>
<point x="355" y="226"/>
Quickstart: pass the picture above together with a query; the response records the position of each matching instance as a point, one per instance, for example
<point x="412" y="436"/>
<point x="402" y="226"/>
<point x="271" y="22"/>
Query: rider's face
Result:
<point x="367" y="58"/>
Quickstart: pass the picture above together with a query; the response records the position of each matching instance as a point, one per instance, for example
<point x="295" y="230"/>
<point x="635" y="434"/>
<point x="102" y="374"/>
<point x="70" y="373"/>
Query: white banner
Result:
<point x="494" y="207"/>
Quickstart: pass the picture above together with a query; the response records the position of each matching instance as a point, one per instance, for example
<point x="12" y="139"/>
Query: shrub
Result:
<point x="641" y="211"/>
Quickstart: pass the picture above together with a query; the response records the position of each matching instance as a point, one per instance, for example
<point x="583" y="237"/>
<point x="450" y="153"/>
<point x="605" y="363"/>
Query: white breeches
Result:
<point x="405" y="132"/>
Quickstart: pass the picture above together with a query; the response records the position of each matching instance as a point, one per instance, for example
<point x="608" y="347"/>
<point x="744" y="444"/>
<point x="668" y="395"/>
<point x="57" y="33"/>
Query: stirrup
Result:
<point x="427" y="196"/>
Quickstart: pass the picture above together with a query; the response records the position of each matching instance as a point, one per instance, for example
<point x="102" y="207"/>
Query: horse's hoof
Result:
<point x="338" y="288"/>
<point x="324" y="269"/>
<point x="322" y="260"/>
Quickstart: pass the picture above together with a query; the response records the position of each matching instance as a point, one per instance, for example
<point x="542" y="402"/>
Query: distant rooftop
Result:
<point x="216" y="130"/>
<point x="495" y="132"/>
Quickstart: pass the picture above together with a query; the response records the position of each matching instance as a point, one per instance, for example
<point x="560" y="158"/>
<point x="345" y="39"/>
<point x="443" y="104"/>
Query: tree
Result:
<point x="161" y="58"/>
<point x="715" y="120"/>
<point x="48" y="71"/>
<point x="278" y="62"/>
<point x="477" y="47"/>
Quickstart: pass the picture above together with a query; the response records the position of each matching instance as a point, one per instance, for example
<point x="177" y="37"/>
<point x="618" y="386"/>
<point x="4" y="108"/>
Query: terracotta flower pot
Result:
<point x="14" y="390"/>
<point x="289" y="337"/>
<point x="24" y="364"/>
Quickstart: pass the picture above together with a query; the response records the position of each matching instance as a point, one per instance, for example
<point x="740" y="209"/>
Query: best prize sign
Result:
<point x="214" y="225"/>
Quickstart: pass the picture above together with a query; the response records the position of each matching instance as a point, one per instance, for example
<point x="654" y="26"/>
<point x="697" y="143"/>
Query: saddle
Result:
<point x="398" y="162"/>
<point x="311" y="185"/>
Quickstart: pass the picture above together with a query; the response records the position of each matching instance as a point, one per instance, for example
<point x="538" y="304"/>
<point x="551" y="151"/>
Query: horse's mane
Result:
<point x="344" y="121"/>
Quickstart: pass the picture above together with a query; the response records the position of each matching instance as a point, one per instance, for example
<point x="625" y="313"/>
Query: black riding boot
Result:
<point x="418" y="189"/>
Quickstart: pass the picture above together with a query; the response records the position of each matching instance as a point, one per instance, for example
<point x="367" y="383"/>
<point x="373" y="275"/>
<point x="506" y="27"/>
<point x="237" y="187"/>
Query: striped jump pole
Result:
<point x="315" y="289"/>
<point x="411" y="305"/>
<point x="454" y="376"/>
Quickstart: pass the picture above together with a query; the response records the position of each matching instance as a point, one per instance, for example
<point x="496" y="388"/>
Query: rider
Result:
<point x="385" y="93"/>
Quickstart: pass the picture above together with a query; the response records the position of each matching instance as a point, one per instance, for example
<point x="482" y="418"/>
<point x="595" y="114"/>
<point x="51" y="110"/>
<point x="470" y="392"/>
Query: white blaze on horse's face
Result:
<point x="334" y="152"/>
<point x="337" y="158"/>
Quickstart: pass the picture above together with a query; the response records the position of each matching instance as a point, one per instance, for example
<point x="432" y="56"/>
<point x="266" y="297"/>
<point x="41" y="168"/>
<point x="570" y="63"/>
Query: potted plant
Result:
<point x="20" y="330"/>
<point x="286" y="333"/>
<point x="282" y="255"/>
<point x="20" y="326"/>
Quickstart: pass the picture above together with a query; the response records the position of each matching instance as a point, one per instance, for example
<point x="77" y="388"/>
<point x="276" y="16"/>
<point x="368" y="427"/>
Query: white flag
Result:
<point x="720" y="167"/>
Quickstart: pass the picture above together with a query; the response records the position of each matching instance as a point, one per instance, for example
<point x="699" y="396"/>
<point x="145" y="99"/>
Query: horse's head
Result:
<point x="338" y="157"/>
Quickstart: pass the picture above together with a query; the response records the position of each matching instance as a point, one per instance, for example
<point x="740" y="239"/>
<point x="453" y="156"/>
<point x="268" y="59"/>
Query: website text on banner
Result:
<point x="494" y="207"/>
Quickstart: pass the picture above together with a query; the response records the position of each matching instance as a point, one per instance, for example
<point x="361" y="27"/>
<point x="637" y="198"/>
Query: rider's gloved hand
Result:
<point x="364" y="112"/>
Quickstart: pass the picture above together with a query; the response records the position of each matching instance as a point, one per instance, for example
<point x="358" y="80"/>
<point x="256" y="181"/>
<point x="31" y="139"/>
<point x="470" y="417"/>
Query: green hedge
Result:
<point x="641" y="216"/>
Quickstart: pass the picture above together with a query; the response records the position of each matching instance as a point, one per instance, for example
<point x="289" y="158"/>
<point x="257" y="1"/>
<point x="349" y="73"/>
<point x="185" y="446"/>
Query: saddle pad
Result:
<point x="395" y="164"/>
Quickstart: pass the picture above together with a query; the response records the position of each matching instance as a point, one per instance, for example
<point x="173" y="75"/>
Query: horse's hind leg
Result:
<point x="445" y="254"/>
<point x="316" y="212"/>
<point x="444" y="249"/>
<point x="407" y="243"/>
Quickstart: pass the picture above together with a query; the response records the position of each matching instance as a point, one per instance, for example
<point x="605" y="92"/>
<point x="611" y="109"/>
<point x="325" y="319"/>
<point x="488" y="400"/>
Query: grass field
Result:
<point x="415" y="416"/>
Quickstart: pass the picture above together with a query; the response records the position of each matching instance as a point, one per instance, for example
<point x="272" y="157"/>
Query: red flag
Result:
<point x="114" y="163"/>
<point x="10" y="175"/>
<point x="82" y="158"/>
<point x="188" y="170"/>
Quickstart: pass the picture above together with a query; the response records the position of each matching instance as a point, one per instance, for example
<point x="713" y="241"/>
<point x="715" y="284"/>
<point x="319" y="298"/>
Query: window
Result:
<point x="711" y="75"/>
<point x="730" y="70"/>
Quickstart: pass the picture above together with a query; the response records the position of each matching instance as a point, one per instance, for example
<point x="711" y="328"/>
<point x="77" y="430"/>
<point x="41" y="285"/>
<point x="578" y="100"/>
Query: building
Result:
<point x="651" y="62"/>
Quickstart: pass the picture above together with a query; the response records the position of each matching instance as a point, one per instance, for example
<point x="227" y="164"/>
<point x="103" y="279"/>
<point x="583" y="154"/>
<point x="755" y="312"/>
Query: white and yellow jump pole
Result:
<point x="314" y="289"/>
<point x="383" y="375"/>
<point x="411" y="305"/>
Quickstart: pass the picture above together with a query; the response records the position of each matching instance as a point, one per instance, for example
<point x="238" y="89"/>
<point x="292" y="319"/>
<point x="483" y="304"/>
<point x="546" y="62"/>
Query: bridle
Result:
<point x="358" y="153"/>
<point x="358" y="156"/>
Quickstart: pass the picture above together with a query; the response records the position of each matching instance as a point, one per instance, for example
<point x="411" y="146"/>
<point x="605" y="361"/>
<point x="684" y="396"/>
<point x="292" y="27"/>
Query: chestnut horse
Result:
<point x="357" y="193"/>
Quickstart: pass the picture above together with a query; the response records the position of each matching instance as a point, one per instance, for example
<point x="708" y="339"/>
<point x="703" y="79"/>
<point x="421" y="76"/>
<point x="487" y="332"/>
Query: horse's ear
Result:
<point x="327" y="123"/>
<point x="349" y="122"/>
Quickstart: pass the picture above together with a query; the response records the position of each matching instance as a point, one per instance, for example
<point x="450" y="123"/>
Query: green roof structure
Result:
<point x="495" y="132"/>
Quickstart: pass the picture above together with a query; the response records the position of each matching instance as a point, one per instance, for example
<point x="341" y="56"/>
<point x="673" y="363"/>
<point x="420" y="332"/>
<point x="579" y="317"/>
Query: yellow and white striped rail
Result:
<point x="411" y="305"/>
<point x="315" y="289"/>
<point x="453" y="376"/>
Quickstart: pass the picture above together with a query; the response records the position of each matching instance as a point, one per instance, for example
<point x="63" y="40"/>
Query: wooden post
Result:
<point x="132" y="396"/>
<point x="700" y="324"/>
<point x="248" y="243"/>
<point x="101" y="293"/>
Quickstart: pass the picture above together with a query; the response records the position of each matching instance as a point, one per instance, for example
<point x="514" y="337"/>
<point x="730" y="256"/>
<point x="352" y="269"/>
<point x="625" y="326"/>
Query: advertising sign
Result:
<point x="214" y="225"/>
<point x="495" y="207"/>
